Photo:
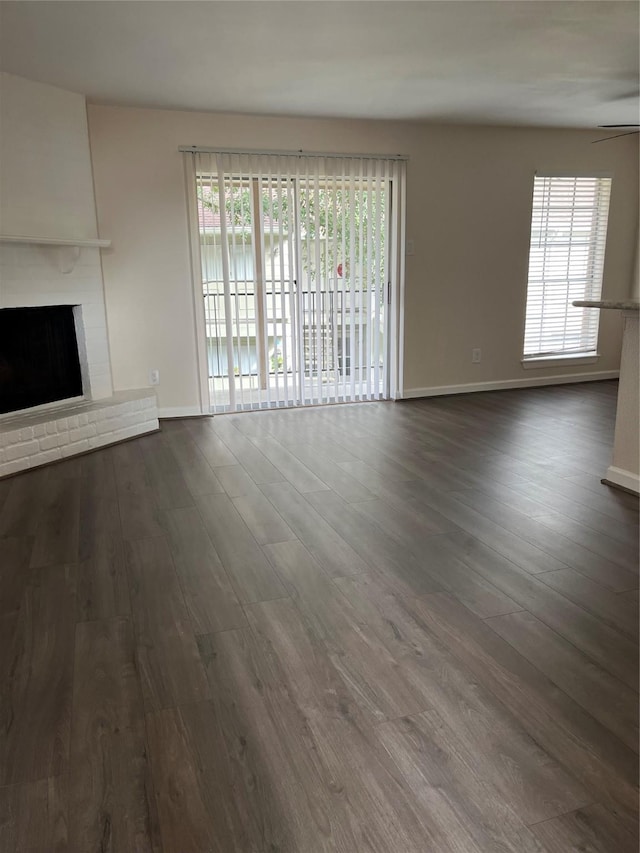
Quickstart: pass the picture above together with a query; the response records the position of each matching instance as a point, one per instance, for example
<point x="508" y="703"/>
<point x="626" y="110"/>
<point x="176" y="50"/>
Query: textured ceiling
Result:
<point x="529" y="63"/>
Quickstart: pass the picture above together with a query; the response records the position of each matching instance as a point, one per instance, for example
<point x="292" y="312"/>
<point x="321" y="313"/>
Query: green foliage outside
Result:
<point x="348" y="225"/>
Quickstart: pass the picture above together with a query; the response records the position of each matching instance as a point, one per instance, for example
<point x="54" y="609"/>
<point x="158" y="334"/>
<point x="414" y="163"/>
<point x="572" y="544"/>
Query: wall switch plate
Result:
<point x="154" y="377"/>
<point x="476" y="355"/>
<point x="410" y="247"/>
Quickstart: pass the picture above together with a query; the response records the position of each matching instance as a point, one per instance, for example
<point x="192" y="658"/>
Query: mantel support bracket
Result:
<point x="66" y="257"/>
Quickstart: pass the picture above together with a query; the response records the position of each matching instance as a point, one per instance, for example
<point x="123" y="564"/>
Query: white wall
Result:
<point x="625" y="466"/>
<point x="468" y="211"/>
<point x="46" y="190"/>
<point x="46" y="185"/>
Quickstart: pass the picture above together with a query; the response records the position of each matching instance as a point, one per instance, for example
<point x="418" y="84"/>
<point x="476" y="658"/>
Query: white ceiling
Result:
<point x="532" y="63"/>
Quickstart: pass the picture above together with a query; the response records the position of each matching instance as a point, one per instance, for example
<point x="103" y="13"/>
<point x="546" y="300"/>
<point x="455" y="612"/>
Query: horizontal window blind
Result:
<point x="566" y="260"/>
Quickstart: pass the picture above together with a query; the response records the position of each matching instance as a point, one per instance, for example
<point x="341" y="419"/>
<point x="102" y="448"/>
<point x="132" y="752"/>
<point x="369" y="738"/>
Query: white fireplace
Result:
<point x="50" y="256"/>
<point x="33" y="276"/>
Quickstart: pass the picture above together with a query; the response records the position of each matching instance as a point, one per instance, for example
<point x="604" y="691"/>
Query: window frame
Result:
<point x="597" y="244"/>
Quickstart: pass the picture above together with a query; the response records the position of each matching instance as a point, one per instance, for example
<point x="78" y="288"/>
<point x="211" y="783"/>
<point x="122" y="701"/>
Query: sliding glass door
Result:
<point x="296" y="260"/>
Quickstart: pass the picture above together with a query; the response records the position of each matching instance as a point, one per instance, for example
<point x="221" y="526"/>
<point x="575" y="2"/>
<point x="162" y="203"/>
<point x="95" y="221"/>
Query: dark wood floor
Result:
<point x="380" y="627"/>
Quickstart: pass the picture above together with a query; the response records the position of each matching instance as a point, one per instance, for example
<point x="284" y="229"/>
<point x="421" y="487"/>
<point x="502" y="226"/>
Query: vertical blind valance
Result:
<point x="566" y="260"/>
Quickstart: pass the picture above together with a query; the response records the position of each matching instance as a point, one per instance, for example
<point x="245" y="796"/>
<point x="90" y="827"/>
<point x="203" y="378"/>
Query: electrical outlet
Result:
<point x="410" y="247"/>
<point x="154" y="377"/>
<point x="476" y="355"/>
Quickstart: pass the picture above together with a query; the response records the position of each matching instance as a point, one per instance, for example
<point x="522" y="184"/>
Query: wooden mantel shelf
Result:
<point x="55" y="241"/>
<point x="67" y="251"/>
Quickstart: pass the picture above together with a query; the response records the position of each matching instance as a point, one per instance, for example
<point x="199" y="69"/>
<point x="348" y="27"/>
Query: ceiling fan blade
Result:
<point x="616" y="136"/>
<point x="618" y="125"/>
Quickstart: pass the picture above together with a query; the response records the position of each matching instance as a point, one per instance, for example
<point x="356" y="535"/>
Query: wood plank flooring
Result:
<point x="373" y="628"/>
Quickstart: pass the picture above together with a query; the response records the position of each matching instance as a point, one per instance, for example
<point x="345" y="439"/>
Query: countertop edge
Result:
<point x="627" y="305"/>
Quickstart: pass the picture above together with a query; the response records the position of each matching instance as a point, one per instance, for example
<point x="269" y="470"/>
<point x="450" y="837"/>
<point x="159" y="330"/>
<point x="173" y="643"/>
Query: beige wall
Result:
<point x="468" y="211"/>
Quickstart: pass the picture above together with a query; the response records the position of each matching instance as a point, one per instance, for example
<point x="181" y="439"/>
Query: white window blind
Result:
<point x="566" y="259"/>
<point x="298" y="260"/>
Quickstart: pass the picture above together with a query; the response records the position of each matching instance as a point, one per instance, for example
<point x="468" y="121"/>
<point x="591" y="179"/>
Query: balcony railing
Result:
<point x="328" y="320"/>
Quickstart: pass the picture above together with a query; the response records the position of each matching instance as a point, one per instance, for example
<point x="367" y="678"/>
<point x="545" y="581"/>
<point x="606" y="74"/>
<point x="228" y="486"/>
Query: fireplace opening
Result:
<point x="39" y="360"/>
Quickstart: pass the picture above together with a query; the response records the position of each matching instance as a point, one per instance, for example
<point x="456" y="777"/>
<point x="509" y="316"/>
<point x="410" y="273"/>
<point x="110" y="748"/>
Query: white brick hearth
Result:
<point x="28" y="440"/>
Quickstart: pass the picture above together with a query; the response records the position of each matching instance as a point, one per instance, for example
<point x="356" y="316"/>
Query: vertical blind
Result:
<point x="298" y="256"/>
<point x="566" y="259"/>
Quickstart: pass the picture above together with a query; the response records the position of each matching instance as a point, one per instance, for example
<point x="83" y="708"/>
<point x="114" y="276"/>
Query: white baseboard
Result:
<point x="502" y="384"/>
<point x="624" y="479"/>
<point x="441" y="390"/>
<point x="180" y="412"/>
